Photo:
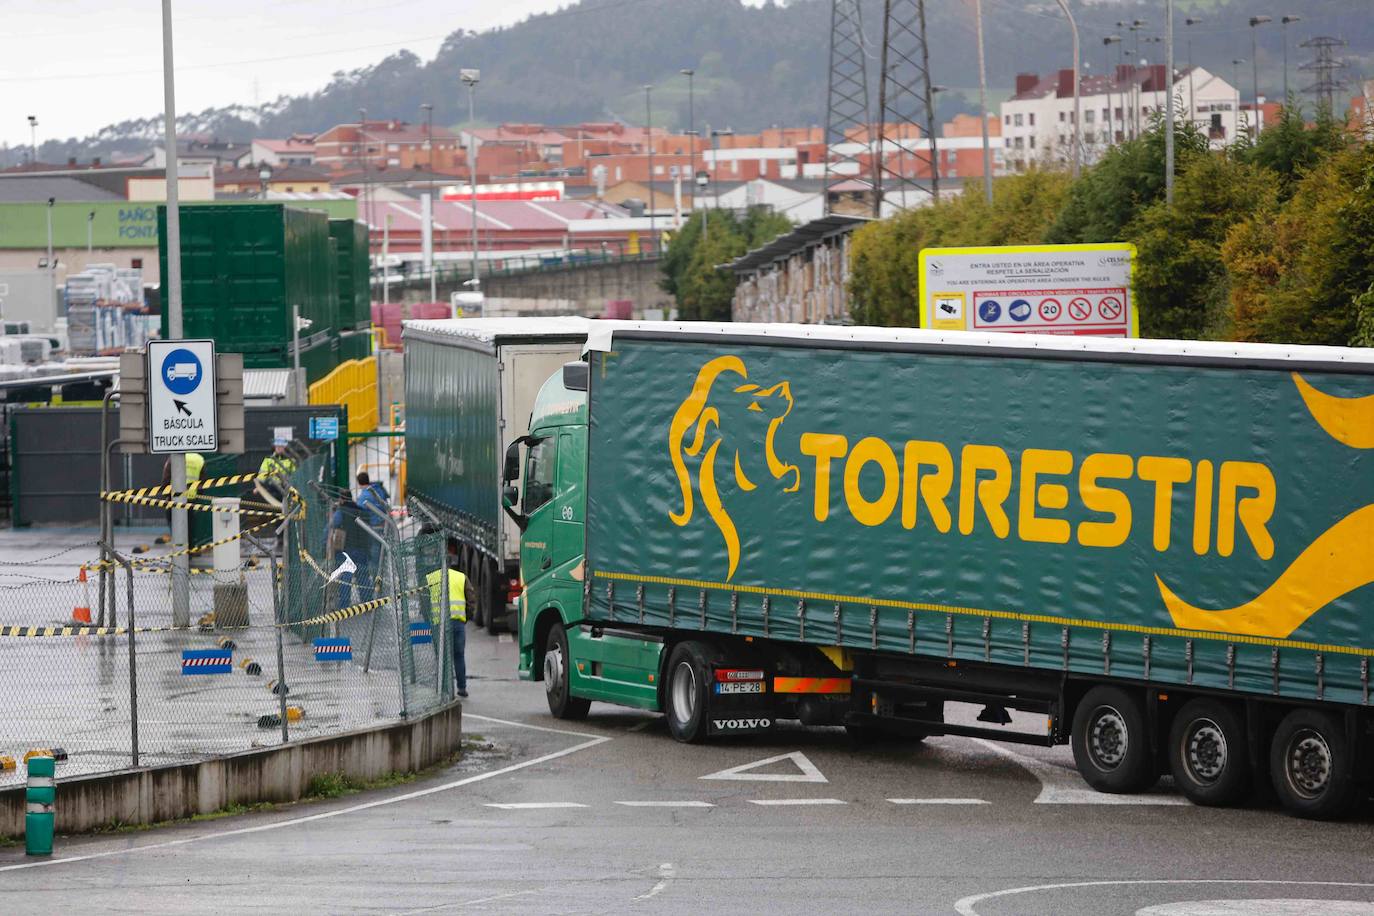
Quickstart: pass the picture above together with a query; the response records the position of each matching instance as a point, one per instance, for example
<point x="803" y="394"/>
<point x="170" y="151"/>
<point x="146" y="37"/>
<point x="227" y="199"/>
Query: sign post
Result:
<point x="1031" y="289"/>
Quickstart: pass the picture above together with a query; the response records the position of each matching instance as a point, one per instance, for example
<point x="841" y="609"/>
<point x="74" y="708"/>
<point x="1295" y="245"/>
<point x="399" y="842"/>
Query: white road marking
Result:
<point x="1251" y="907"/>
<point x="352" y="809"/>
<point x="667" y="871"/>
<point x="666" y="804"/>
<point x="808" y="771"/>
<point x="463" y="903"/>
<point x="967" y="906"/>
<point x="1059" y="786"/>
<point x="532" y="806"/>
<point x="797" y="801"/>
<point x="938" y="801"/>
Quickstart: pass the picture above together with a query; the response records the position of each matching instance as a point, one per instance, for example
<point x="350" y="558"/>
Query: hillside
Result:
<point x="756" y="66"/>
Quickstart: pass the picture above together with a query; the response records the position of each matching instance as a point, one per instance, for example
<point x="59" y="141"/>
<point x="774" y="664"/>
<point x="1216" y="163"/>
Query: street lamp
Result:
<point x="90" y="234"/>
<point x="649" y="142"/>
<point x="983" y="101"/>
<point x="33" y="139"/>
<point x="1284" y="23"/>
<point x="470" y="78"/>
<point x="429" y="142"/>
<point x="1135" y="25"/>
<point x="691" y="122"/>
<point x="1192" y="102"/>
<point x="1077" y="114"/>
<point x="264" y="176"/>
<point x="1256" y="21"/>
<point x="715" y="156"/>
<point x="1113" y="80"/>
<point x="1169" y="102"/>
<point x="1235" y="78"/>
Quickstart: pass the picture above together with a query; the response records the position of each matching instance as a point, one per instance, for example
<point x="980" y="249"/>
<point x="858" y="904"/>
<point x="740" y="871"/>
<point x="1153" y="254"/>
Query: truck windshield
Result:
<point x="539" y="475"/>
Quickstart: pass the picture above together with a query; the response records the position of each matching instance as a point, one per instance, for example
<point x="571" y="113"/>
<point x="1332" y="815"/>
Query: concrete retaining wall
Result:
<point x="274" y="774"/>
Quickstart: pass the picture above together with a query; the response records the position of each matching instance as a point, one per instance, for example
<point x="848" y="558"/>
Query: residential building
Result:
<point x="291" y="179"/>
<point x="297" y="149"/>
<point x="203" y="151"/>
<point x="388" y="144"/>
<point x="1038" y="123"/>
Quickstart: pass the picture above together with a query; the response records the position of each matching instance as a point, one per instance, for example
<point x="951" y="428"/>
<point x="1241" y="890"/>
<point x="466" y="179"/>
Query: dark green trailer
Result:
<point x="351" y="267"/>
<point x="1163" y="549"/>
<point x="243" y="268"/>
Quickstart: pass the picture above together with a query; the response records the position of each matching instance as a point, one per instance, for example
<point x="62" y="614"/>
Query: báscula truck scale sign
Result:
<point x="1130" y="538"/>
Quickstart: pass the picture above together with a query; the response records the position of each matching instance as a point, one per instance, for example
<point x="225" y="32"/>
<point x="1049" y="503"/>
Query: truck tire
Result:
<point x="685" y="693"/>
<point x="558" y="679"/>
<point x="465" y="566"/>
<point x="1111" y="743"/>
<point x="1209" y="753"/>
<point x="1310" y="765"/>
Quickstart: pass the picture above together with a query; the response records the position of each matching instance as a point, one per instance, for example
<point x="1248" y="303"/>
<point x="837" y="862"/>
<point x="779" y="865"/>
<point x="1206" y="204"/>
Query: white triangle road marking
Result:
<point x="808" y="771"/>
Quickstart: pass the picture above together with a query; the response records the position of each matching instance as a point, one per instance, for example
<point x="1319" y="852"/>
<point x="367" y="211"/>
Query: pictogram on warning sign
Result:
<point x="1050" y="309"/>
<point x="1109" y="308"/>
<point x="1080" y="309"/>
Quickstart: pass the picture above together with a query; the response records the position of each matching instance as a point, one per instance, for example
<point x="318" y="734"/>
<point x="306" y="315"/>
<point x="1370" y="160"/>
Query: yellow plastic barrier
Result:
<point x="353" y="384"/>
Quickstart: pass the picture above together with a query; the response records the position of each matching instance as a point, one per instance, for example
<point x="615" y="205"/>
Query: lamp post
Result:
<point x="691" y="123"/>
<point x="649" y="142"/>
<point x="90" y="234"/>
<point x="1077" y="114"/>
<point x="33" y="140"/>
<point x="52" y="268"/>
<point x="1192" y="102"/>
<point x="1255" y="22"/>
<point x="362" y="166"/>
<point x="470" y="79"/>
<point x="1112" y="80"/>
<point x="983" y="101"/>
<point x="1235" y="78"/>
<point x="264" y="176"/>
<point x="715" y="156"/>
<point x="1135" y="25"/>
<point x="1284" y="23"/>
<point x="1169" y="102"/>
<point x="429" y="142"/>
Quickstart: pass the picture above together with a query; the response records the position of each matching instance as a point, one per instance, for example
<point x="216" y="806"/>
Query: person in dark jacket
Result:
<point x="346" y="539"/>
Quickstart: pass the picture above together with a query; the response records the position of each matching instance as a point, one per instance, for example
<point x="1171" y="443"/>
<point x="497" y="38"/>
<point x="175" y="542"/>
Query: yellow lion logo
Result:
<point x="698" y="419"/>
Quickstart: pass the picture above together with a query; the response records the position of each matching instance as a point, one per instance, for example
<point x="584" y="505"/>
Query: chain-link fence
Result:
<point x="324" y="626"/>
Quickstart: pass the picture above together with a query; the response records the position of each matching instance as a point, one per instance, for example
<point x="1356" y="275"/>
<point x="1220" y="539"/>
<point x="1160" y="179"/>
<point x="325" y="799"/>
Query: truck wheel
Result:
<point x="688" y="679"/>
<point x="494" y="611"/>
<point x="1309" y="763"/>
<point x="1208" y="753"/>
<point x="465" y="565"/>
<point x="1111" y="744"/>
<point x="557" y="679"/>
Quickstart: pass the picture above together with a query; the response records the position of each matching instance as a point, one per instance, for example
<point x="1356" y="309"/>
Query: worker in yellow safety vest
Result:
<point x="271" y="484"/>
<point x="460" y="595"/>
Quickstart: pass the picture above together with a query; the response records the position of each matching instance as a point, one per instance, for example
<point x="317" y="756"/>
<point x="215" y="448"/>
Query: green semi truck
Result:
<point x="1161" y="549"/>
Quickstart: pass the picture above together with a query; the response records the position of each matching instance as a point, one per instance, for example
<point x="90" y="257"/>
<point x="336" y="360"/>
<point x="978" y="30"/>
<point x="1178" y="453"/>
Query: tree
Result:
<point x="1299" y="268"/>
<point x="689" y="266"/>
<point x="1129" y="178"/>
<point x="1181" y="283"/>
<point x="1291" y="148"/>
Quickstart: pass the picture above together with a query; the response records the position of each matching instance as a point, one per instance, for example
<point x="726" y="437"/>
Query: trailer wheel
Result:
<point x="1208" y="753"/>
<point x="1310" y="765"/>
<point x="685" y="696"/>
<point x="466" y="566"/>
<point x="1111" y="744"/>
<point x="557" y="678"/>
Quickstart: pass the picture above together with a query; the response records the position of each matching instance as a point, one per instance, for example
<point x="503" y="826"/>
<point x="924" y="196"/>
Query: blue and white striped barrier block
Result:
<point x="333" y="650"/>
<point x="420" y="633"/>
<point x="207" y="661"/>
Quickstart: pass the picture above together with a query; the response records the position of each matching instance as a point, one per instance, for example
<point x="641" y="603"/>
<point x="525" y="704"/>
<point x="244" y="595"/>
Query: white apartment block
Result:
<point x="1038" y="121"/>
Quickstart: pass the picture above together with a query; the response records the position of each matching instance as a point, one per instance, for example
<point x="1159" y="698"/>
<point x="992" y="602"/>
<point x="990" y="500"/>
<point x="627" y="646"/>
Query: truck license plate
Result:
<point x="741" y="687"/>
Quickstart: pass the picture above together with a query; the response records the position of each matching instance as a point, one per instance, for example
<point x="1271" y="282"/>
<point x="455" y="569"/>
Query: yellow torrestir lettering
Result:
<point x="1164" y="473"/>
<point x="1108" y="501"/>
<point x="824" y="447"/>
<point x="991" y="493"/>
<point x="1254" y="511"/>
<point x="1032" y="527"/>
<point x="933" y="486"/>
<point x="876" y="451"/>
<point x="1202" y="509"/>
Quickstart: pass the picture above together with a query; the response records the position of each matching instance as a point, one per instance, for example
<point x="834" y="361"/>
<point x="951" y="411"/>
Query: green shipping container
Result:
<point x="1185" y="514"/>
<point x="243" y="267"/>
<point x="355" y="292"/>
<point x="355" y="345"/>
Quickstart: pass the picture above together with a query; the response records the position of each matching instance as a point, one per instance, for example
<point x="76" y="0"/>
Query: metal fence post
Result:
<point x="133" y="652"/>
<point x="445" y="615"/>
<point x="402" y="639"/>
<point x="279" y="614"/>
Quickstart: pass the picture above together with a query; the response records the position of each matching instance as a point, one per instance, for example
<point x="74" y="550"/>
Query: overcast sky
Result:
<point x="78" y="65"/>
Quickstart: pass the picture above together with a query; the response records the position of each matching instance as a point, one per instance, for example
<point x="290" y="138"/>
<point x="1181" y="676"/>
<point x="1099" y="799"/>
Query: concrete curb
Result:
<point x="272" y="774"/>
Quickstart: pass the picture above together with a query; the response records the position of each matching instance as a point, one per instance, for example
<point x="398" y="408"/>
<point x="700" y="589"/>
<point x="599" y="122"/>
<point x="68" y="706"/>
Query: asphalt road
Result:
<point x="611" y="816"/>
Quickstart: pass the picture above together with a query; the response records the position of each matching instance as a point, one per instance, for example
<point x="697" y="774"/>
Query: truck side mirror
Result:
<point x="511" y="470"/>
<point x="510" y="496"/>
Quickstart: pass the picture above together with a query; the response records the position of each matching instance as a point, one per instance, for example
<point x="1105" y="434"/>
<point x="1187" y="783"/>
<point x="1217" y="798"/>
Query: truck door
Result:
<point x="536" y="547"/>
<point x="568" y="501"/>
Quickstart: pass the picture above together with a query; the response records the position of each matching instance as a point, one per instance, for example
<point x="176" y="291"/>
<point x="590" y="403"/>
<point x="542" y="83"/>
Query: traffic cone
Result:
<point x="82" y="612"/>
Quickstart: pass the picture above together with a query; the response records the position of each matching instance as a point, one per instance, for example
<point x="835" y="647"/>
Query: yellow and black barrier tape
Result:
<point x="123" y="496"/>
<point x="211" y="483"/>
<point x="152" y="563"/>
<point x="358" y="609"/>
